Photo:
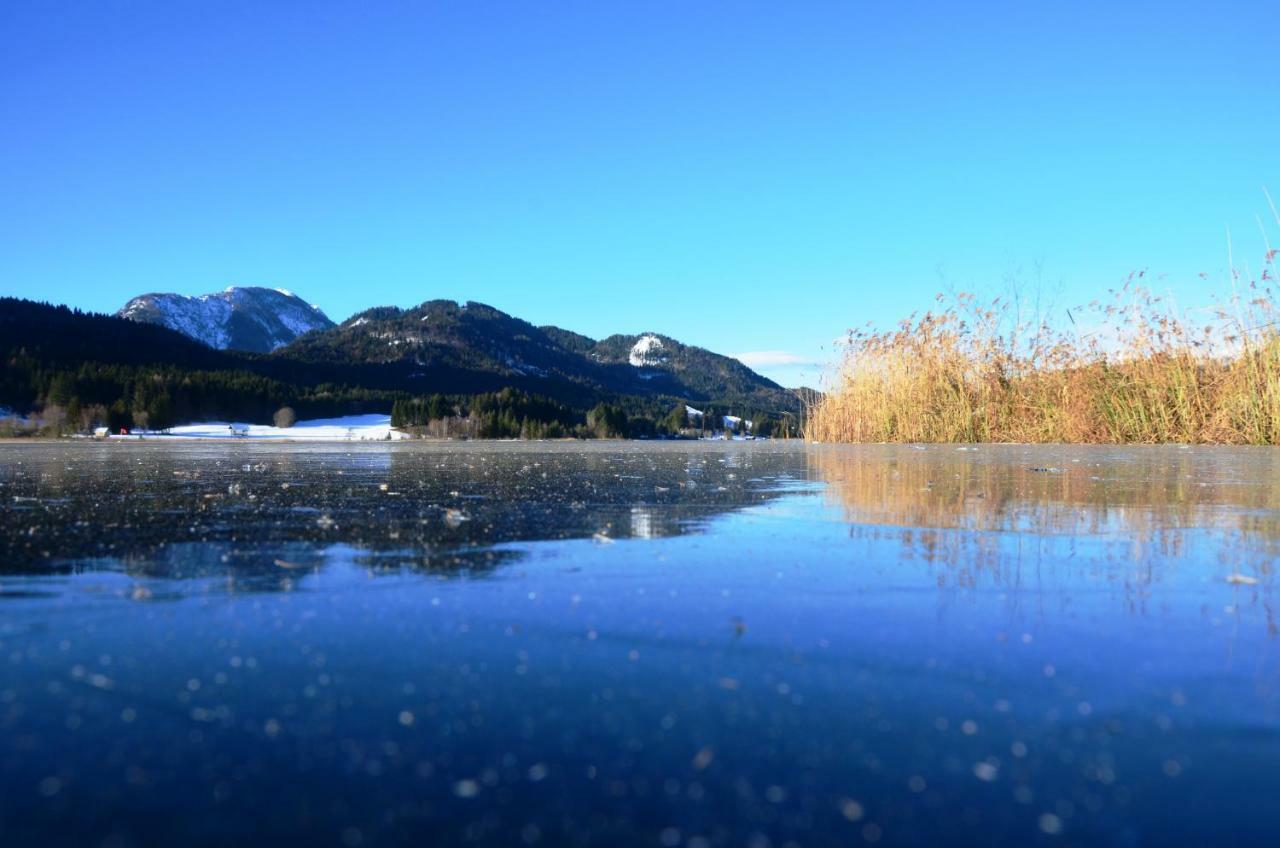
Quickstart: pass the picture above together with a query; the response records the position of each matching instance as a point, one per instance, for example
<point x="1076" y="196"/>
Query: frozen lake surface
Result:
<point x="668" y="644"/>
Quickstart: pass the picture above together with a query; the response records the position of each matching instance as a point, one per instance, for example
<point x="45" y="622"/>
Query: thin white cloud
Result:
<point x="770" y="358"/>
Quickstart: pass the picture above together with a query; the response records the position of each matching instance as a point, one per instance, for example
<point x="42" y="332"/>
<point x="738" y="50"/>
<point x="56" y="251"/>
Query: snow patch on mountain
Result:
<point x="647" y="352"/>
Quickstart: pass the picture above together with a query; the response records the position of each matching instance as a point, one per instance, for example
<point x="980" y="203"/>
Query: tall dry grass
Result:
<point x="1140" y="373"/>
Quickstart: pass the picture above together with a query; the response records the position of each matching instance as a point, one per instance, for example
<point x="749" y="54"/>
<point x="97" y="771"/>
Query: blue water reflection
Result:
<point x="804" y="647"/>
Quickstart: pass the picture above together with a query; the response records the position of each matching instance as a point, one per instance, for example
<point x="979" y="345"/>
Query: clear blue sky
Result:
<point x="743" y="176"/>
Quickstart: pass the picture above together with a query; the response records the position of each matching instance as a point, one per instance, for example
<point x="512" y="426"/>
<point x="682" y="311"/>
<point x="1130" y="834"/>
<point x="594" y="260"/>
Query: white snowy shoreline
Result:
<point x="351" y="428"/>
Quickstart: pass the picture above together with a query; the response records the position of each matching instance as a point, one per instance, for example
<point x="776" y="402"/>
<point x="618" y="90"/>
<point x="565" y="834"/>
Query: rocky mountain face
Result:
<point x="251" y="319"/>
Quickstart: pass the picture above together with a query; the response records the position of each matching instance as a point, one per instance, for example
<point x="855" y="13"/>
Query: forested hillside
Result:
<point x="505" y="378"/>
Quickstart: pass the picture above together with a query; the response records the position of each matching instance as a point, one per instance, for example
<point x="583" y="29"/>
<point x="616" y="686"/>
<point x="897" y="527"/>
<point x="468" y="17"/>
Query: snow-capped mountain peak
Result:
<point x="249" y="318"/>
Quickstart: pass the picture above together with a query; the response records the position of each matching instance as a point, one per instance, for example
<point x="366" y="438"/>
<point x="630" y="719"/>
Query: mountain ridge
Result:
<point x="254" y="319"/>
<point x="477" y="336"/>
<point x="106" y="368"/>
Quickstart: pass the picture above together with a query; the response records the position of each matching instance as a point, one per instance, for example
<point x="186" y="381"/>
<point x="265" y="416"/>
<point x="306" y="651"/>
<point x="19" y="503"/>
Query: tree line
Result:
<point x="515" y="414"/>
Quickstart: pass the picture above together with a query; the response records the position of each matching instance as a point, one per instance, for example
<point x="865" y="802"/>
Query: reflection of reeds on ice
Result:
<point x="987" y="513"/>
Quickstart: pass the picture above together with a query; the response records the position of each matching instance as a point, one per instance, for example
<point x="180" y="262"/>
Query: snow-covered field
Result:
<point x="352" y="428"/>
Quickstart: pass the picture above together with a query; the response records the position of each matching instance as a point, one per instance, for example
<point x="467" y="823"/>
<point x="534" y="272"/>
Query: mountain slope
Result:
<point x="57" y="336"/>
<point x="128" y="373"/>
<point x="52" y="355"/>
<point x="475" y="342"/>
<point x="252" y="319"/>
<point x="661" y="361"/>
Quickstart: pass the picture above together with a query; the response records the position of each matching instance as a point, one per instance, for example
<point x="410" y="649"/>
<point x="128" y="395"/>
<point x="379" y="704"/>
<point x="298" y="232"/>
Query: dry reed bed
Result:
<point x="1141" y="374"/>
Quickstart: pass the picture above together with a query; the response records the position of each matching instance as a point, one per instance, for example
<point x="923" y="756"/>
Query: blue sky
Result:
<point x="750" y="177"/>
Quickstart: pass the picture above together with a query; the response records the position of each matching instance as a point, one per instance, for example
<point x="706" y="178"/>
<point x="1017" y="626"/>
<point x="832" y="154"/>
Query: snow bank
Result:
<point x="352" y="428"/>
